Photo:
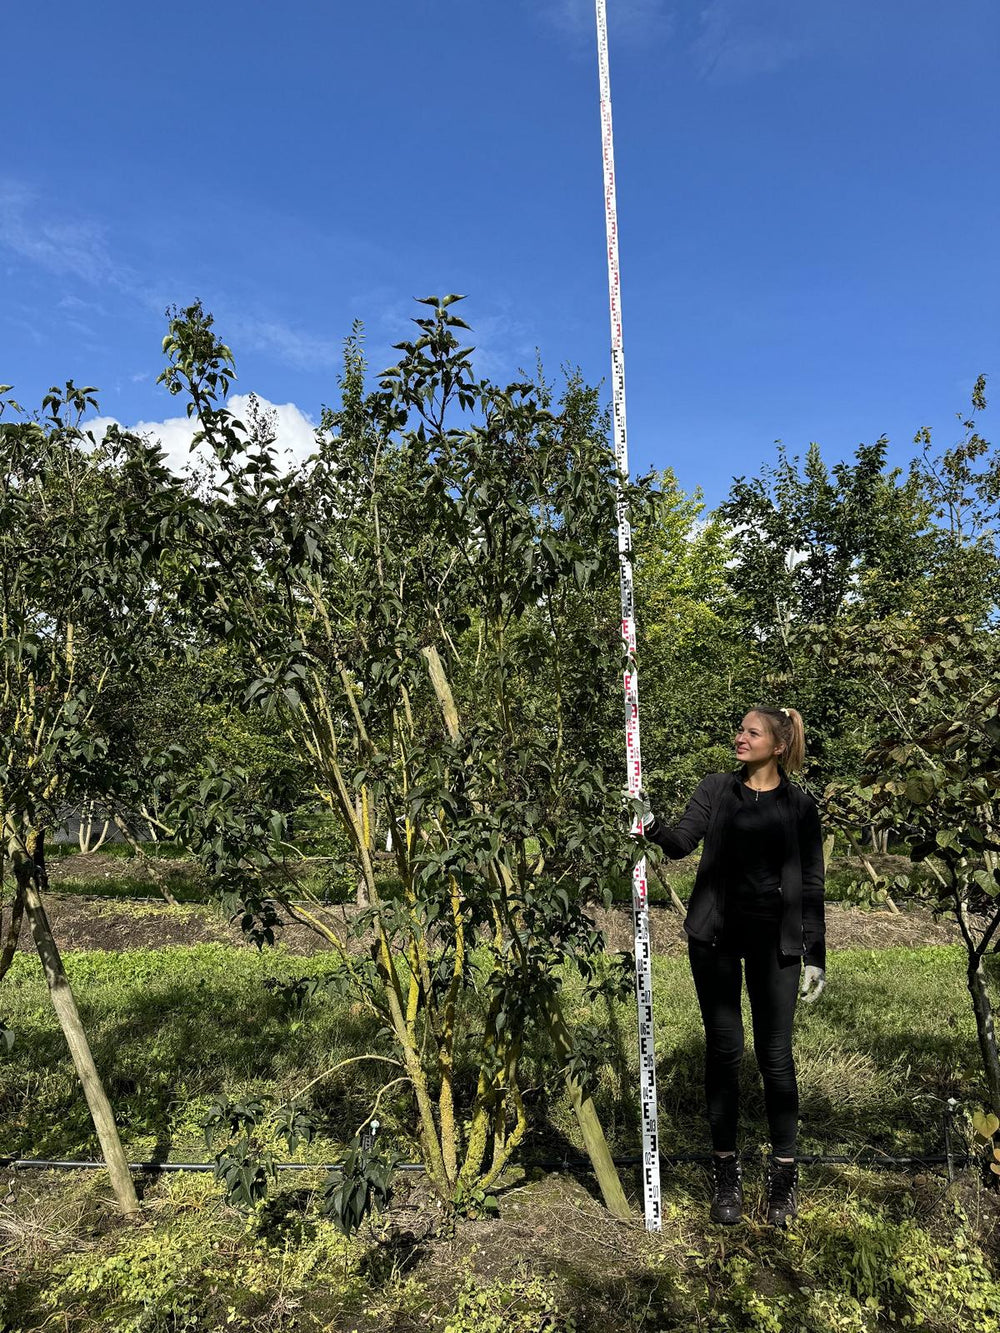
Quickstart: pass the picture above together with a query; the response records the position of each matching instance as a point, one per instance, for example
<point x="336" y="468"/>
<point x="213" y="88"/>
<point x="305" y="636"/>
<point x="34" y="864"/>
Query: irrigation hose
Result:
<point x="882" y="1161"/>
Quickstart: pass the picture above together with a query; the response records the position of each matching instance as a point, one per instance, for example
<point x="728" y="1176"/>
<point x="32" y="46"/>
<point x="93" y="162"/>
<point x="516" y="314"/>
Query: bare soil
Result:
<point x="94" y="920"/>
<point x="84" y="922"/>
<point x="846" y="928"/>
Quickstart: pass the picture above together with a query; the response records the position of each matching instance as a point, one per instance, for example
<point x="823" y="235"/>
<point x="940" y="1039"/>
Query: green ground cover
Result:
<point x="175" y="1027"/>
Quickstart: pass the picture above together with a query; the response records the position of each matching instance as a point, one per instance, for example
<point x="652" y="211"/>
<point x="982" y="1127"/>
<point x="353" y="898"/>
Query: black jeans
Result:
<point x="772" y="985"/>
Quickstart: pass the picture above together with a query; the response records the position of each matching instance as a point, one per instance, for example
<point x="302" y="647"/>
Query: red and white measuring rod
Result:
<point x="640" y="905"/>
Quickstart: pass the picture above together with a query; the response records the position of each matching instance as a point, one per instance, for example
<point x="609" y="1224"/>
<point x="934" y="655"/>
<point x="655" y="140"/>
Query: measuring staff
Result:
<point x="633" y="754"/>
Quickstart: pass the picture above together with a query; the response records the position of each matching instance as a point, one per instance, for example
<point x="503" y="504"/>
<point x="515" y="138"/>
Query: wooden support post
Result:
<point x="590" y="1128"/>
<point x="76" y="1039"/>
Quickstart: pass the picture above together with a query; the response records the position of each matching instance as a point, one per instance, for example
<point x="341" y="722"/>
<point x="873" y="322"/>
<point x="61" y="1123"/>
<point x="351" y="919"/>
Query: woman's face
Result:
<point x="754" y="742"/>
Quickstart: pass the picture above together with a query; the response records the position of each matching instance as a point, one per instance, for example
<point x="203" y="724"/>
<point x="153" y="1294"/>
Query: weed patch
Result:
<point x="869" y="1253"/>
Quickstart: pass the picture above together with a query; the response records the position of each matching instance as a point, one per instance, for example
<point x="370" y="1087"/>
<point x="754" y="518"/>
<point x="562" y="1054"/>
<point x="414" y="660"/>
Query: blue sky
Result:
<point x="808" y="201"/>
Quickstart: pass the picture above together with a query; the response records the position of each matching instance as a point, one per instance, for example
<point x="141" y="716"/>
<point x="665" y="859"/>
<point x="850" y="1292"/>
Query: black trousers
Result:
<point x="772" y="981"/>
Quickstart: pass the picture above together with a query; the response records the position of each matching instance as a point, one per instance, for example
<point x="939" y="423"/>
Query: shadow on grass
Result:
<point x="864" y="1091"/>
<point x="167" y="1048"/>
<point x="173" y="1029"/>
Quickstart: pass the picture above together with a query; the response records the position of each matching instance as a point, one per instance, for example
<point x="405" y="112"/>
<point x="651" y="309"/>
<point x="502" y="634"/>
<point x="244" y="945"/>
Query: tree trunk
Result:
<point x="362" y="897"/>
<point x="590" y="1128"/>
<point x="13" y="932"/>
<point x="664" y="883"/>
<point x="76" y="1038"/>
<point x="870" y="870"/>
<point x="155" y="870"/>
<point x="442" y="688"/>
<point x="985" y="1029"/>
<point x="586" y="1113"/>
<point x="85" y="833"/>
<point x="828" y="844"/>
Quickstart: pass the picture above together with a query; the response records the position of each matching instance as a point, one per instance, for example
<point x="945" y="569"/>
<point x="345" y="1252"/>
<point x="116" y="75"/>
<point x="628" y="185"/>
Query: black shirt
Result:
<point x="755" y="852"/>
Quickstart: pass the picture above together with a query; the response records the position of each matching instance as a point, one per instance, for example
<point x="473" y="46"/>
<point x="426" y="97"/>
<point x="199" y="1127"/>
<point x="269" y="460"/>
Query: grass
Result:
<point x="171" y="1029"/>
<point x="114" y="872"/>
<point x="117" y="851"/>
<point x="174" y="1027"/>
<point x="125" y="887"/>
<point x="846" y="881"/>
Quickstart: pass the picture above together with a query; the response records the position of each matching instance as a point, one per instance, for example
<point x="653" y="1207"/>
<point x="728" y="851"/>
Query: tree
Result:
<point x="935" y="773"/>
<point x="418" y="602"/>
<point x="816" y="547"/>
<point x="962" y="489"/>
<point x="812" y="542"/>
<point x="848" y="548"/>
<point x="698" y="668"/>
<point x="83" y="528"/>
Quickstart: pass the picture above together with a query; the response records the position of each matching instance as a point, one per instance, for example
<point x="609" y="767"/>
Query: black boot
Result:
<point x="782" y="1183"/>
<point x="727" y="1189"/>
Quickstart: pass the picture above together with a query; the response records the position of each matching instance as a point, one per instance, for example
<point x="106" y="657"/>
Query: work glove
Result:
<point x="813" y="983"/>
<point x="639" y="808"/>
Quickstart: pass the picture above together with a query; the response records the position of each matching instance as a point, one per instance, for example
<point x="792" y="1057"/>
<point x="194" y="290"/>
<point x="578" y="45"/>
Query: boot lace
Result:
<point x="727" y="1175"/>
<point x="782" y="1177"/>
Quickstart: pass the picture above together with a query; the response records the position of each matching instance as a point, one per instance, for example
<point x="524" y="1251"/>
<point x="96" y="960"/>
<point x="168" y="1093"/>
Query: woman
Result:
<point x="757" y="903"/>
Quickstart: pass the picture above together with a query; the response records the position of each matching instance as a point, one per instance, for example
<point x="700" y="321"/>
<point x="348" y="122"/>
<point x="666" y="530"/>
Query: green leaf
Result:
<point x="920" y="788"/>
<point x="985" y="1124"/>
<point x="985" y="881"/>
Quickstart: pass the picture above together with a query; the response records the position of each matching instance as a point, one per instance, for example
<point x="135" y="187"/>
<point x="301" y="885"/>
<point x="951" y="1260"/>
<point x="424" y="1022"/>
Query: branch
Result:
<point x="353" y="1060"/>
<point x="962" y="917"/>
<point x="378" y="1097"/>
<point x="442" y="689"/>
<point x="990" y="931"/>
<point x="157" y="873"/>
<point x="13" y="931"/>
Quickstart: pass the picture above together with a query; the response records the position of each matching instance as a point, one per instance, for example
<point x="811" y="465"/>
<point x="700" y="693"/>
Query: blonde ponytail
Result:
<point x="788" y="731"/>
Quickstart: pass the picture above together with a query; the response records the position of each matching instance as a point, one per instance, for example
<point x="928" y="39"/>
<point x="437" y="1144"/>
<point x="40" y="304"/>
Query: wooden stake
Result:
<point x="591" y="1129"/>
<point x="76" y="1039"/>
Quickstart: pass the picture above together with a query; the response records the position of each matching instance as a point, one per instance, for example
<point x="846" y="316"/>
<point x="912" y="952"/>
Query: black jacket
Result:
<point x="709" y="810"/>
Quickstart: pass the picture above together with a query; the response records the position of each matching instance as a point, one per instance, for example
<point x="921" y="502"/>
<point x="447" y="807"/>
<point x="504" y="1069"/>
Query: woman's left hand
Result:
<point x="813" y="983"/>
<point x="642" y="817"/>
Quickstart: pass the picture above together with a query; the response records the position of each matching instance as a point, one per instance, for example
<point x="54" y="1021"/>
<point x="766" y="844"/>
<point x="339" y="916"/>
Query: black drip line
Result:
<point x="879" y="1161"/>
<point x="872" y="1159"/>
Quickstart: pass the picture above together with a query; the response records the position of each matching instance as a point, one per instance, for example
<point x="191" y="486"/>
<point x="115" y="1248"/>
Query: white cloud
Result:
<point x="81" y="248"/>
<point x="70" y="301"/>
<point x="68" y="248"/>
<point x="294" y="431"/>
<point x="505" y="347"/>
<point x="290" y="345"/>
<point x="727" y="39"/>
